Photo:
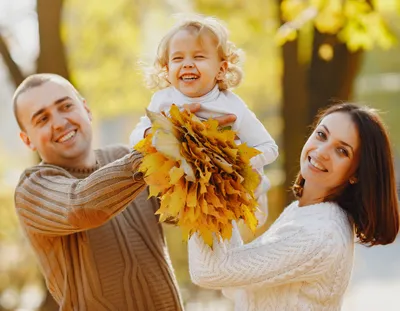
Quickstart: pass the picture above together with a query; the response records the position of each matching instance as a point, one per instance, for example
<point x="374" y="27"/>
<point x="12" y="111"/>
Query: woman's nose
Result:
<point x="323" y="152"/>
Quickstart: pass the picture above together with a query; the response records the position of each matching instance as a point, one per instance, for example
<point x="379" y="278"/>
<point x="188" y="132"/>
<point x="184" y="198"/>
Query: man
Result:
<point x="98" y="248"/>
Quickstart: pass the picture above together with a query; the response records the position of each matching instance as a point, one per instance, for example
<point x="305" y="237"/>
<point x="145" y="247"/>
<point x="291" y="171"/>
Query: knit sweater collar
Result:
<point x="321" y="208"/>
<point x="210" y="96"/>
<point x="86" y="171"/>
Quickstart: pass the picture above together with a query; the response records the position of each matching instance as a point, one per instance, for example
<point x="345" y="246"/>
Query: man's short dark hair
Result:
<point x="33" y="81"/>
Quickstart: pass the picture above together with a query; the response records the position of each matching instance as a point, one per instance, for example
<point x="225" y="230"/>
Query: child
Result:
<point x="196" y="63"/>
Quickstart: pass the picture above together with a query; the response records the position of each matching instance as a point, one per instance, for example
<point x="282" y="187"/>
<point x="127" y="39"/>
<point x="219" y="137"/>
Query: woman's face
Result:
<point x="330" y="157"/>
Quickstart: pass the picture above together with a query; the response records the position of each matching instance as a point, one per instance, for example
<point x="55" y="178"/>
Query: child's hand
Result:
<point x="193" y="108"/>
<point x="224" y="120"/>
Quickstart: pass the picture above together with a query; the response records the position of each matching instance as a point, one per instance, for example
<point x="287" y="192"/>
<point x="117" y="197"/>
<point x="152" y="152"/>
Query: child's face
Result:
<point x="194" y="65"/>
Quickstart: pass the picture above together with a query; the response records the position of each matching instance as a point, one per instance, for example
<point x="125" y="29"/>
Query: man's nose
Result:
<point x="59" y="122"/>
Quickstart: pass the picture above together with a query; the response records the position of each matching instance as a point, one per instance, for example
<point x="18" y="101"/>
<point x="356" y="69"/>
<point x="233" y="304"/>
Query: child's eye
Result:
<point x="199" y="57"/>
<point x="176" y="58"/>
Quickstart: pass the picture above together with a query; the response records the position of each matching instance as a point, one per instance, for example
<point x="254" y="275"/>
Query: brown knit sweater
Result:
<point x="98" y="249"/>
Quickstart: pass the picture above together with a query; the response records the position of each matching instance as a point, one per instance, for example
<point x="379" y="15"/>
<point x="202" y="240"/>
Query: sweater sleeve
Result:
<point x="50" y="201"/>
<point x="138" y="132"/>
<point x="289" y="253"/>
<point x="269" y="153"/>
<point x="250" y="130"/>
<point x="159" y="101"/>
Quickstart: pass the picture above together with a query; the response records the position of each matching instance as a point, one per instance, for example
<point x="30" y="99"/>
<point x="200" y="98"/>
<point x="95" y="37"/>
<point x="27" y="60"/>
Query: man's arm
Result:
<point x="50" y="201"/>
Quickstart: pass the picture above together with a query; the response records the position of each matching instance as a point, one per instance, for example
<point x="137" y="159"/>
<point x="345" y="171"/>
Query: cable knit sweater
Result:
<point x="303" y="262"/>
<point x="98" y="242"/>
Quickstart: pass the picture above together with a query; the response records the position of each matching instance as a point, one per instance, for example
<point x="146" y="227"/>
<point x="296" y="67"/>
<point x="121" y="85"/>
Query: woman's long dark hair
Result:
<point x="372" y="202"/>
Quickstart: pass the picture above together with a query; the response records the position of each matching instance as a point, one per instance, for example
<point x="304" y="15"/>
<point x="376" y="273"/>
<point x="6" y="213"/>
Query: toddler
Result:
<point x="196" y="63"/>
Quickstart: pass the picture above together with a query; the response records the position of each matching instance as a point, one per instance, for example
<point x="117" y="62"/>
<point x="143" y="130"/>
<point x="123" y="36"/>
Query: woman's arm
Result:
<point x="291" y="252"/>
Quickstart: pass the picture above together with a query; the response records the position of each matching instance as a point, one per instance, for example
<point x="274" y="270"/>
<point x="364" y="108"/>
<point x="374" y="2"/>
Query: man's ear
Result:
<point x="89" y="112"/>
<point x="27" y="141"/>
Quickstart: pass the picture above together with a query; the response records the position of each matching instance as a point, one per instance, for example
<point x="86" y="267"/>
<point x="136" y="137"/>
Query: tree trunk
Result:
<point x="294" y="112"/>
<point x="15" y="73"/>
<point x="334" y="79"/>
<point x="52" y="58"/>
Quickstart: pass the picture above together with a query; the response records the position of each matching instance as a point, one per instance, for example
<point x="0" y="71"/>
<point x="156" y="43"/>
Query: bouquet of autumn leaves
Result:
<point x="202" y="177"/>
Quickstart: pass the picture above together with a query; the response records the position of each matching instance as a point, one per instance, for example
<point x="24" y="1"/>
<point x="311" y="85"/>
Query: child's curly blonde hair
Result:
<point x="156" y="76"/>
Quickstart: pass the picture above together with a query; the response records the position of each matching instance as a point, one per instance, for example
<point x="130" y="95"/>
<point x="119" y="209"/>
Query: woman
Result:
<point x="345" y="188"/>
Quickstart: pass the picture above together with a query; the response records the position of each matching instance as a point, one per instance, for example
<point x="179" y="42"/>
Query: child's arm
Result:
<point x="139" y="131"/>
<point x="269" y="153"/>
<point x="159" y="100"/>
<point x="251" y="131"/>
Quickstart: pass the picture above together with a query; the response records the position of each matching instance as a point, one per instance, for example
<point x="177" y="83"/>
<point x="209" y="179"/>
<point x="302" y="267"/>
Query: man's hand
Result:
<point x="224" y="120"/>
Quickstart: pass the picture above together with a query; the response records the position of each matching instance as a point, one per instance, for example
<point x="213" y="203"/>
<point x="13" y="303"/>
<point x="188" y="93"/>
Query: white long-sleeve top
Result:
<point x="303" y="262"/>
<point x="214" y="104"/>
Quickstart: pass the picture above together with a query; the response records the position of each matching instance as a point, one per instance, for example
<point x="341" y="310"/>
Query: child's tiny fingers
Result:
<point x="193" y="107"/>
<point x="227" y="119"/>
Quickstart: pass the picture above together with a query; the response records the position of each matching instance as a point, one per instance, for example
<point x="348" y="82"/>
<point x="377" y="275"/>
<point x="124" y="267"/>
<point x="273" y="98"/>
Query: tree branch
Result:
<point x="13" y="68"/>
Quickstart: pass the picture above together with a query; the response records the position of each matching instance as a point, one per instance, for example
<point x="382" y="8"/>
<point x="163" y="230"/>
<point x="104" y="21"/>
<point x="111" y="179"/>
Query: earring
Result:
<point x="352" y="181"/>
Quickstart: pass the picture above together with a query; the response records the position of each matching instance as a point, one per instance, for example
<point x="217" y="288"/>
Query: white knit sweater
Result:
<point x="303" y="262"/>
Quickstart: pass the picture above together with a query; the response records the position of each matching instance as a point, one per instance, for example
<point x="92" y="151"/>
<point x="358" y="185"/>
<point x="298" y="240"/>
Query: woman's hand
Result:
<point x="224" y="120"/>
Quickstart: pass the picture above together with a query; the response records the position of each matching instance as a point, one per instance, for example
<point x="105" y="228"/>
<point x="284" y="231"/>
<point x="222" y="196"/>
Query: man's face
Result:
<point x="56" y="124"/>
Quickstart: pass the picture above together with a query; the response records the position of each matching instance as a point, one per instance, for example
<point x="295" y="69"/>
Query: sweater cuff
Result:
<point x="131" y="162"/>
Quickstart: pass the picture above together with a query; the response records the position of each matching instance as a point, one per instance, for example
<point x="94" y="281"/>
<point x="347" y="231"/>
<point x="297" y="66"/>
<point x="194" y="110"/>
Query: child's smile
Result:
<point x="189" y="77"/>
<point x="194" y="64"/>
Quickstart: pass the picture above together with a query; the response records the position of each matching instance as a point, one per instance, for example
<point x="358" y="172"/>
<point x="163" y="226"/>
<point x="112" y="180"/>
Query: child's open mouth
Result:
<point x="189" y="77"/>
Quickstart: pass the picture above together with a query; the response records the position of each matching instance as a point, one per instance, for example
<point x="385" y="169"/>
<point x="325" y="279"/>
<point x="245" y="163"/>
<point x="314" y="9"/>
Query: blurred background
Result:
<point x="300" y="54"/>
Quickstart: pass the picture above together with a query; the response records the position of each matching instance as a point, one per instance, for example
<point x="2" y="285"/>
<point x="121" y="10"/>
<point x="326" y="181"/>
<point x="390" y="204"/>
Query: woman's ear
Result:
<point x="353" y="180"/>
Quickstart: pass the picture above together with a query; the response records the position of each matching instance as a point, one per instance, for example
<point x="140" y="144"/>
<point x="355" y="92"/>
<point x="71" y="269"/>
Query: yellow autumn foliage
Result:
<point x="202" y="177"/>
<point x="358" y="23"/>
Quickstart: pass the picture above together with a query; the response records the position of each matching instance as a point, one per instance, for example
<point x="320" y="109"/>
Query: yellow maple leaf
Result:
<point x="246" y="152"/>
<point x="192" y="195"/>
<point x="175" y="174"/>
<point x="167" y="144"/>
